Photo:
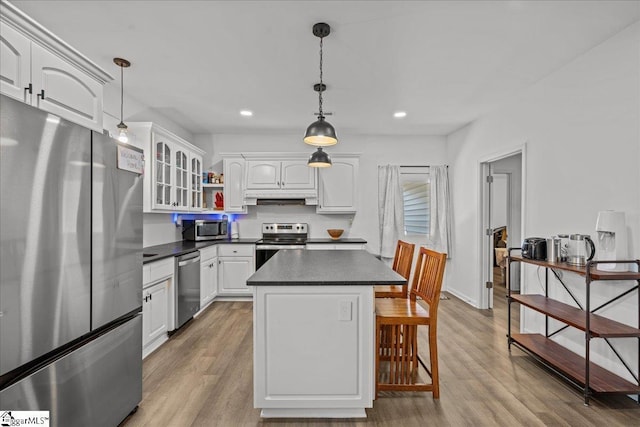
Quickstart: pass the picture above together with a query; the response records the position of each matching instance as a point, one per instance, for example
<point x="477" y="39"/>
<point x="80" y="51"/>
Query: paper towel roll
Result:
<point x="234" y="230"/>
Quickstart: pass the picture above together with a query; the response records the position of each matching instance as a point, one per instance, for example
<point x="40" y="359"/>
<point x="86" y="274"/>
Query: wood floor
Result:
<point x="203" y="377"/>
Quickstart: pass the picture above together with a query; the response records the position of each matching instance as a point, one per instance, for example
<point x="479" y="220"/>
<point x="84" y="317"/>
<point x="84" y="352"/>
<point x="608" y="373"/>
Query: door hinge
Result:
<point x="489" y="231"/>
<point x="488" y="285"/>
<point x="489" y="179"/>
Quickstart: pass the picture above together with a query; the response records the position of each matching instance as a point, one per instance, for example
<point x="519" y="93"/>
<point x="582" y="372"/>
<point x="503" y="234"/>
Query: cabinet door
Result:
<point x="158" y="310"/>
<point x="163" y="161"/>
<point x="208" y="280"/>
<point x="233" y="273"/>
<point x="195" y="201"/>
<point x="181" y="188"/>
<point x="15" y="64"/>
<point x="62" y="89"/>
<point x="263" y="175"/>
<point x="339" y="187"/>
<point x="154" y="312"/>
<point x="233" y="185"/>
<point x="296" y="174"/>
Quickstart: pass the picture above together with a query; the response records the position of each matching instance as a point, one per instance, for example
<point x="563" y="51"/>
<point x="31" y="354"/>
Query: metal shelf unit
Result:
<point x="578" y="370"/>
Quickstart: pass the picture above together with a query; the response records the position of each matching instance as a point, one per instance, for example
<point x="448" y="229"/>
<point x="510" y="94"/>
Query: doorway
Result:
<point x="502" y="219"/>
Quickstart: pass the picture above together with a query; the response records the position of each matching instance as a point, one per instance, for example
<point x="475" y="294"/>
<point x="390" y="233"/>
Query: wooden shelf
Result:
<point x="573" y="365"/>
<point x="600" y="326"/>
<point x="213" y="185"/>
<point x="582" y="270"/>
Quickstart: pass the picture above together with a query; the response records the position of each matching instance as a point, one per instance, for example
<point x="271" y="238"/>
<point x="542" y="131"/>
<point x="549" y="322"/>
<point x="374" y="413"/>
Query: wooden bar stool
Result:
<point x="402" y="265"/>
<point x="397" y="322"/>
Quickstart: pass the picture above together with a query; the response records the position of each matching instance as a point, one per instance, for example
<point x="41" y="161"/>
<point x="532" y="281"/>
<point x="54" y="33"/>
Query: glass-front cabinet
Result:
<point x="196" y="183"/>
<point x="182" y="174"/>
<point x="173" y="169"/>
<point x="162" y="180"/>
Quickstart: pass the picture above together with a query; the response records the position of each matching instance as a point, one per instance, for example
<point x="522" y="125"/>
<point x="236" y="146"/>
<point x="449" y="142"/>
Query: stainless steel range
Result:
<point x="276" y="236"/>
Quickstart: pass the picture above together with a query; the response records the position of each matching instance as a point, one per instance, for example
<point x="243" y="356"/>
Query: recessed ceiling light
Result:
<point x="246" y="113"/>
<point x="400" y="114"/>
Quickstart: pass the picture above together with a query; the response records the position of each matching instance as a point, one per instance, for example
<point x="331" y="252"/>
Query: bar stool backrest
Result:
<point x="403" y="259"/>
<point x="427" y="278"/>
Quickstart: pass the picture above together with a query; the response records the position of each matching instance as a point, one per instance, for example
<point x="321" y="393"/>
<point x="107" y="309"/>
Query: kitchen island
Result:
<point x="313" y="332"/>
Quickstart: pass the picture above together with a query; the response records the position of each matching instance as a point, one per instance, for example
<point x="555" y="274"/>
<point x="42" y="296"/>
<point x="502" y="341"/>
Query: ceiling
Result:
<point x="444" y="63"/>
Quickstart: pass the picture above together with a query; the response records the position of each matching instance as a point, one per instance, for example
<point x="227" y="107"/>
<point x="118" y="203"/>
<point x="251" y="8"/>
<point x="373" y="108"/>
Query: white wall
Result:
<point x="374" y="150"/>
<point x="582" y="134"/>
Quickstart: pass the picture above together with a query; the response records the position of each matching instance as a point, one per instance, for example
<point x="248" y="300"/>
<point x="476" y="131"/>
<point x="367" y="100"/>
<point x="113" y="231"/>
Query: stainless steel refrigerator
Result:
<point x="70" y="271"/>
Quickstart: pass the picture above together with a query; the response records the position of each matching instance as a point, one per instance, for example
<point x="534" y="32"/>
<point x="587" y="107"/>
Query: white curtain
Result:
<point x="440" y="224"/>
<point x="390" y="209"/>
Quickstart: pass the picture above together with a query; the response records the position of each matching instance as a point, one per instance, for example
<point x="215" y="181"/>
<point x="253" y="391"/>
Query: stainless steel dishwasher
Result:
<point x="187" y="287"/>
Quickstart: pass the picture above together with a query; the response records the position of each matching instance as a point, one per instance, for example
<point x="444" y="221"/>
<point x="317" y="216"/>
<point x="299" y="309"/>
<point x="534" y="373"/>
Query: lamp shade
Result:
<point x="319" y="159"/>
<point x="321" y="134"/>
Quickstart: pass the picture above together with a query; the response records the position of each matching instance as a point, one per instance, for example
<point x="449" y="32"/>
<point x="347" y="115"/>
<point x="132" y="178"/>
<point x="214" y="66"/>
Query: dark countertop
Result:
<point x="183" y="246"/>
<point x="324" y="267"/>
<point x="342" y="240"/>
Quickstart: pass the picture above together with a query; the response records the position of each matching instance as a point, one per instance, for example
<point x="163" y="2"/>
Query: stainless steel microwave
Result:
<point x="205" y="229"/>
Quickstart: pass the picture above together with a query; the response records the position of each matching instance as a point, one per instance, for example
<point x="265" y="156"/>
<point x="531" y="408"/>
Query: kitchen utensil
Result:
<point x="553" y="249"/>
<point x="564" y="244"/>
<point x="234" y="230"/>
<point x="534" y="248"/>
<point x="335" y="233"/>
<point x="580" y="250"/>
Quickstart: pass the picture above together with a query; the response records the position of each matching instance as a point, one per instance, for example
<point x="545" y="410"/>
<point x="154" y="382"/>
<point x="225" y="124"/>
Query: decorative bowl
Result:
<point x="335" y="233"/>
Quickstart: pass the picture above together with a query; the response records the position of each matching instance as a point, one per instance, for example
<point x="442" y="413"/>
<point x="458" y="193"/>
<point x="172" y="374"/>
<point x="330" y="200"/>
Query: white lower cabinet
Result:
<point x="157" y="301"/>
<point x="154" y="317"/>
<point x="236" y="262"/>
<point x="208" y="275"/>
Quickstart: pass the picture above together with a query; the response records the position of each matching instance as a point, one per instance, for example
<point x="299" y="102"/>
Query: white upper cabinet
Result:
<point x="173" y="169"/>
<point x="338" y="189"/>
<point x="296" y="174"/>
<point x="60" y="89"/>
<point x="196" y="183"/>
<point x="280" y="175"/>
<point x="233" y="169"/>
<point x="15" y="66"/>
<point x="263" y="174"/>
<point x="39" y="69"/>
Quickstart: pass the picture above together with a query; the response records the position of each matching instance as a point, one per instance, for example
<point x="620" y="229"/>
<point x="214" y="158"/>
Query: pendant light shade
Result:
<point x="319" y="159"/>
<point x="122" y="128"/>
<point x="321" y="134"/>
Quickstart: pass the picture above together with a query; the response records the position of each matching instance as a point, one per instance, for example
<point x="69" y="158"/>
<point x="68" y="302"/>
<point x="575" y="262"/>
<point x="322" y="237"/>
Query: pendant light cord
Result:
<point x="121" y="93"/>
<point x="321" y="85"/>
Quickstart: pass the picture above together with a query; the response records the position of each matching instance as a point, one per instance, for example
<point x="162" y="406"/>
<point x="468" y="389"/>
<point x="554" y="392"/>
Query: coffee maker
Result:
<point x="612" y="240"/>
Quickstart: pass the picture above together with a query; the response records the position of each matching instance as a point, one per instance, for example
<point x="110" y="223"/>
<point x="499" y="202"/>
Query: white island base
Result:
<point x="313" y="350"/>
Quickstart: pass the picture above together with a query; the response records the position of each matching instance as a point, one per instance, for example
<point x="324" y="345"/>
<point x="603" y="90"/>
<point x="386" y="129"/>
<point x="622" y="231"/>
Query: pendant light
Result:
<point x="122" y="128"/>
<point x="320" y="133"/>
<point x="319" y="159"/>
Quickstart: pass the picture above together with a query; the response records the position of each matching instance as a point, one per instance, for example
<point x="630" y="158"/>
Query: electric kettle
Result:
<point x="580" y="249"/>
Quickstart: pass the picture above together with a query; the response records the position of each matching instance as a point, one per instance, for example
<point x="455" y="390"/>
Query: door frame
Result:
<point x="482" y="263"/>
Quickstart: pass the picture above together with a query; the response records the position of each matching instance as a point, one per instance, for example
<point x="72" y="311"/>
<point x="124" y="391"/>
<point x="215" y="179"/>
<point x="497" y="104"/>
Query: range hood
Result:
<point x="280" y="202"/>
<point x="281" y="197"/>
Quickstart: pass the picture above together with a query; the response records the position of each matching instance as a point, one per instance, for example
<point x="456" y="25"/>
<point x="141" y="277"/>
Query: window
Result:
<point x="416" y="195"/>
